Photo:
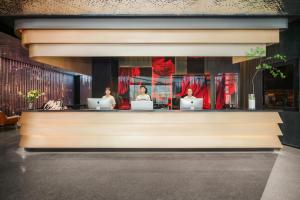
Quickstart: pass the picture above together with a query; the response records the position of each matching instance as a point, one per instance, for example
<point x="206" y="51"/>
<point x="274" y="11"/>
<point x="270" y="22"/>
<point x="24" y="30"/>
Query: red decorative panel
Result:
<point x="226" y="90"/>
<point x="17" y="76"/>
<point x="200" y="84"/>
<point x="125" y="80"/>
<point x="162" y="70"/>
<point x="162" y="85"/>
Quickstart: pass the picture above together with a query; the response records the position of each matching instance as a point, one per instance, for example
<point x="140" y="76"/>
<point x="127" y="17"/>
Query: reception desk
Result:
<point x="151" y="129"/>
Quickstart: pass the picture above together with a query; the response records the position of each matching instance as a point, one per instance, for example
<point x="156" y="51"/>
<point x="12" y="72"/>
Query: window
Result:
<point x="282" y="93"/>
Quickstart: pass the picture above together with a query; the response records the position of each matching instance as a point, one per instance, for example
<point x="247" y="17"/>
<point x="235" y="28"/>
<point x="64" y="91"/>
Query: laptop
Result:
<point x="191" y="104"/>
<point x="141" y="105"/>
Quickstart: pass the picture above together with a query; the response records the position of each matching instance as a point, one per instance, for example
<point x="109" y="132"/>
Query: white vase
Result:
<point x="30" y="106"/>
<point x="251" y="102"/>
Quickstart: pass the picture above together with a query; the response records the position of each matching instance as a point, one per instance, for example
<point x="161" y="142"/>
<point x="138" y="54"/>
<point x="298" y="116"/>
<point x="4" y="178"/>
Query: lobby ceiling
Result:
<point x="149" y="7"/>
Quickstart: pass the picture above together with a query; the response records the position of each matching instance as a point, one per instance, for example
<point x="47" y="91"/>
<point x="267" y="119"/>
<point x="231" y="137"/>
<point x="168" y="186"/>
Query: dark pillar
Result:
<point x="104" y="74"/>
<point x="77" y="92"/>
<point x="195" y="65"/>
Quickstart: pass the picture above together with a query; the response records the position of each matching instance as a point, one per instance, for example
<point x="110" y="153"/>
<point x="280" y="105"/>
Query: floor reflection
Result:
<point x="136" y="175"/>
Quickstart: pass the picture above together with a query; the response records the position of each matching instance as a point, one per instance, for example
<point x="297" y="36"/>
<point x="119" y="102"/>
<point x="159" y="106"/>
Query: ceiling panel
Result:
<point x="149" y="7"/>
<point x="149" y="36"/>
<point x="120" y="50"/>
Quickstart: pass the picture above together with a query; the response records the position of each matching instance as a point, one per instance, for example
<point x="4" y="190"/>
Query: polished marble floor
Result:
<point x="146" y="175"/>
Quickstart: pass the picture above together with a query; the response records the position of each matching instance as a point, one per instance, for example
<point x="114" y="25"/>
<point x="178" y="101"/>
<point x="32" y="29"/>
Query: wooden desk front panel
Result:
<point x="150" y="130"/>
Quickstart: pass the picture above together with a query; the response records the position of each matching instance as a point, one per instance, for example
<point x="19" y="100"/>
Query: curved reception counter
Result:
<point x="151" y="129"/>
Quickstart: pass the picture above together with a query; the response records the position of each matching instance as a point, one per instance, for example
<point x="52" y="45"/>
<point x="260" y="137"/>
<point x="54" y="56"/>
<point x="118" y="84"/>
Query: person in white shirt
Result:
<point x="189" y="94"/>
<point x="110" y="97"/>
<point x="143" y="96"/>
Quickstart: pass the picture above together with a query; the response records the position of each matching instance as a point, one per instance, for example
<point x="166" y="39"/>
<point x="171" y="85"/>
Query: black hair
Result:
<point x="107" y="88"/>
<point x="190" y="89"/>
<point x="146" y="90"/>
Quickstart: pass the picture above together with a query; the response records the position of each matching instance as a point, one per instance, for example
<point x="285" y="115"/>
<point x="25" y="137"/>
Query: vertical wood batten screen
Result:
<point x="17" y="76"/>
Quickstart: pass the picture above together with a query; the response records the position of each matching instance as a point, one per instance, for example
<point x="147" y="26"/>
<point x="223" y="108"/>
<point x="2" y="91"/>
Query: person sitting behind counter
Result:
<point x="143" y="96"/>
<point x="189" y="94"/>
<point x="110" y="97"/>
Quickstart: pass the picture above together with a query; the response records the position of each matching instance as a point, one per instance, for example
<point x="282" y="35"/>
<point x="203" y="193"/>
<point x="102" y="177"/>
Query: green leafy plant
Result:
<point x="32" y="95"/>
<point x="266" y="63"/>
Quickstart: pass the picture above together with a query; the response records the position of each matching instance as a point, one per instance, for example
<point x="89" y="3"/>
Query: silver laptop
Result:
<point x="141" y="105"/>
<point x="191" y="104"/>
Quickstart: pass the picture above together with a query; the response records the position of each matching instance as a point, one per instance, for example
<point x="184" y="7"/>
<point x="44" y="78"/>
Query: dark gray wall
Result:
<point x="289" y="45"/>
<point x="290" y="128"/>
<point x="289" y="41"/>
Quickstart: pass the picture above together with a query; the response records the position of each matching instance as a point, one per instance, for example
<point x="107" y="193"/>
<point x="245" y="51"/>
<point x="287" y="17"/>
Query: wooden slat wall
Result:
<point x="17" y="76"/>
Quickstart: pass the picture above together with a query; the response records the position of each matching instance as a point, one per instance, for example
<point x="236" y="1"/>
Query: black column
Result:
<point x="104" y="74"/>
<point x="195" y="65"/>
<point x="76" y="91"/>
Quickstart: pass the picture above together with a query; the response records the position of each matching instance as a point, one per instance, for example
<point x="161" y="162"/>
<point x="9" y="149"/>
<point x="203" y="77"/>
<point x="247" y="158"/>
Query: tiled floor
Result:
<point x="146" y="175"/>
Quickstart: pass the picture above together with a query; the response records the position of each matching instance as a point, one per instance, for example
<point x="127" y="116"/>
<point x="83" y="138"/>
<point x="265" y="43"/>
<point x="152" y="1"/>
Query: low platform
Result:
<point x="169" y="129"/>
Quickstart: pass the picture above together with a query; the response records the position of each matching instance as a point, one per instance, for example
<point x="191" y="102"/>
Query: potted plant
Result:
<point x="264" y="63"/>
<point x="31" y="96"/>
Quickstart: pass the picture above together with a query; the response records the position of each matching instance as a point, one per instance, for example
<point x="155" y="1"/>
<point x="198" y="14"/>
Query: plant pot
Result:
<point x="30" y="106"/>
<point x="251" y="102"/>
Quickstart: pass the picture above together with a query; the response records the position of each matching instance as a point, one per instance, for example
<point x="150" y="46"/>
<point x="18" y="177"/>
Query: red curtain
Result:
<point x="226" y="85"/>
<point x="124" y="78"/>
<point x="124" y="82"/>
<point x="220" y="92"/>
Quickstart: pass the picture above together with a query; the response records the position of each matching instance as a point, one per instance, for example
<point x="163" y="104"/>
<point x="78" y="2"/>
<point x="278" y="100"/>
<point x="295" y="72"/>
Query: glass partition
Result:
<point x="162" y="70"/>
<point x="226" y="88"/>
<point x="200" y="84"/>
<point x="129" y="82"/>
<point x="157" y="78"/>
<point x="165" y="87"/>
